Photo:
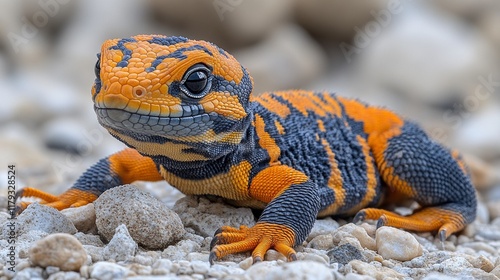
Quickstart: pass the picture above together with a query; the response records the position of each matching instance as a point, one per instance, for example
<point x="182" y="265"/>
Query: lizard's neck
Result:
<point x="212" y="150"/>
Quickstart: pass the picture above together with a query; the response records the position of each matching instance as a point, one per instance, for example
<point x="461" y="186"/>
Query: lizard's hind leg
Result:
<point x="412" y="164"/>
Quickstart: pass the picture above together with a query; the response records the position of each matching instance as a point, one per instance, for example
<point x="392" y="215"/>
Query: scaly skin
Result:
<point x="185" y="110"/>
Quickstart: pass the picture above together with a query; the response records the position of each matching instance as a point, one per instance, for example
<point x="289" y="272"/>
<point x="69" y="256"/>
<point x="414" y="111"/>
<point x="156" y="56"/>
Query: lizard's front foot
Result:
<point x="70" y="198"/>
<point x="259" y="238"/>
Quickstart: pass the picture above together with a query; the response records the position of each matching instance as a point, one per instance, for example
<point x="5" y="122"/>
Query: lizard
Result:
<point x="186" y="111"/>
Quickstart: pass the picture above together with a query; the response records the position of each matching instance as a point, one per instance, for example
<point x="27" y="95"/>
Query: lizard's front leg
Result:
<point x="121" y="168"/>
<point x="293" y="204"/>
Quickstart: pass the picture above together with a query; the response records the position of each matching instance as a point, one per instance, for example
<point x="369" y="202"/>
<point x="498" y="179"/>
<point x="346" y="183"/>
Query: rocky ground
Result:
<point x="129" y="233"/>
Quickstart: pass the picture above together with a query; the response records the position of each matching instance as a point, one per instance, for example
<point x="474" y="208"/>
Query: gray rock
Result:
<point x="205" y="217"/>
<point x="61" y="250"/>
<point x="396" y="244"/>
<point x="108" y="271"/>
<point x="82" y="217"/>
<point x="150" y="223"/>
<point x="121" y="247"/>
<point x="345" y="253"/>
<point x="41" y="218"/>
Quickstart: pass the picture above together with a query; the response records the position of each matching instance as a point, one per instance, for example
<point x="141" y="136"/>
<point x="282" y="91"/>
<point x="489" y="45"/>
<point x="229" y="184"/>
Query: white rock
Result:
<point x="121" y="247"/>
<point x="292" y="270"/>
<point x="396" y="244"/>
<point x="150" y="223"/>
<point x="205" y="217"/>
<point x="108" y="271"/>
<point x="83" y="218"/>
<point x="61" y="250"/>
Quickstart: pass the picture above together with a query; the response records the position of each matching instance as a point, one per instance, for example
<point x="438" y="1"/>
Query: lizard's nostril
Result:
<point x="139" y="91"/>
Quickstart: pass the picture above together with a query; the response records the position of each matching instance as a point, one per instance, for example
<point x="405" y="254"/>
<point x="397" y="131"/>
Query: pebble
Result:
<point x="150" y="223"/>
<point x="121" y="247"/>
<point x="397" y="244"/>
<point x="108" y="271"/>
<point x="358" y="232"/>
<point x="60" y="250"/>
<point x="205" y="217"/>
<point x="83" y="218"/>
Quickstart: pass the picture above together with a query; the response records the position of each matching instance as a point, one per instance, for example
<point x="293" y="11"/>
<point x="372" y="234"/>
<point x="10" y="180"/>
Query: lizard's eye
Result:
<point x="97" y="69"/>
<point x="197" y="81"/>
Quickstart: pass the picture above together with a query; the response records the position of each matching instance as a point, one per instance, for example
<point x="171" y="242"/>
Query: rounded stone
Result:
<point x="396" y="244"/>
<point x="61" y="250"/>
<point x="150" y="222"/>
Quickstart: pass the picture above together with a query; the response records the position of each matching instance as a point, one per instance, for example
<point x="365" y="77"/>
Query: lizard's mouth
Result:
<point x="123" y="120"/>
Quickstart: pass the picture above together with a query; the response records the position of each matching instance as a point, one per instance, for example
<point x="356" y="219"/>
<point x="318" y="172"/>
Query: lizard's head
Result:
<point x="153" y="88"/>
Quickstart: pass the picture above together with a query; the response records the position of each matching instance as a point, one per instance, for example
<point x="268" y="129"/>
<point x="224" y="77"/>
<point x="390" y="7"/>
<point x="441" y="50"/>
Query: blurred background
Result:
<point x="436" y="62"/>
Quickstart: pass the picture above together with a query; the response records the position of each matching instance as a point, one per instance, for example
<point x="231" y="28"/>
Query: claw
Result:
<point x="382" y="221"/>
<point x="360" y="217"/>
<point x="220" y="230"/>
<point x="292" y="257"/>
<point x="442" y="235"/>
<point x="258" y="239"/>
<point x="257" y="260"/>
<point x="215" y="241"/>
<point x="212" y="257"/>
